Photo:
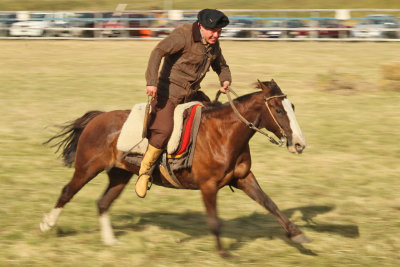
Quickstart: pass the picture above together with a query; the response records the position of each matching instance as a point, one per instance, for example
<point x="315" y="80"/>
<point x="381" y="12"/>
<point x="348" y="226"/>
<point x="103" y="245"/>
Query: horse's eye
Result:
<point x="279" y="111"/>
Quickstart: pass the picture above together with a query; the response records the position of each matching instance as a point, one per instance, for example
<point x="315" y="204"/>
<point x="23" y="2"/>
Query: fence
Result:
<point x="246" y="24"/>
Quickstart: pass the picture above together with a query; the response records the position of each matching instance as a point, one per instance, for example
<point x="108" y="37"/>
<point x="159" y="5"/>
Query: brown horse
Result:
<point x="221" y="158"/>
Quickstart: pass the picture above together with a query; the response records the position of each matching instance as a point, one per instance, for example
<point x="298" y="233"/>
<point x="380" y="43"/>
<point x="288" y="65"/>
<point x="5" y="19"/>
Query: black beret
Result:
<point x="212" y="18"/>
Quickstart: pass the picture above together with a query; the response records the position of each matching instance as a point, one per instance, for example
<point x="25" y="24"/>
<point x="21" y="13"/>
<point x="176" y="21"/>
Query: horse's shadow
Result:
<point x="242" y="229"/>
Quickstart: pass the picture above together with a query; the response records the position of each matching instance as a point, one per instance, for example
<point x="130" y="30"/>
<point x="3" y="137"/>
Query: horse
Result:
<point x="221" y="157"/>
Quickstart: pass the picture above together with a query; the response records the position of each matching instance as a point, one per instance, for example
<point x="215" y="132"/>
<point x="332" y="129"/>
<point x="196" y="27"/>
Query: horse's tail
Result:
<point x="69" y="134"/>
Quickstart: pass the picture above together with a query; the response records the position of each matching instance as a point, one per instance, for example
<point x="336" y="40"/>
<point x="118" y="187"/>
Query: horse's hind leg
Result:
<point x="79" y="179"/>
<point x="251" y="187"/>
<point x="118" y="180"/>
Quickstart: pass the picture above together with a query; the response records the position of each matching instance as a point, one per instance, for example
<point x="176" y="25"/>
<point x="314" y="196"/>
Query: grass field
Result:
<point x="343" y="191"/>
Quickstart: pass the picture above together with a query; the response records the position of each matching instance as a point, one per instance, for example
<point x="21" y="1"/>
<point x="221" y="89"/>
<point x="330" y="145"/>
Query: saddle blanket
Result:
<point x="130" y="139"/>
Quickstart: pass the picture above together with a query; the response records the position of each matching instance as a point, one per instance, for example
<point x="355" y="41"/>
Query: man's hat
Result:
<point x="212" y="18"/>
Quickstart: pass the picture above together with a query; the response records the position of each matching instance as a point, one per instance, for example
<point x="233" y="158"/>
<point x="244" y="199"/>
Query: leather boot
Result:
<point x="149" y="158"/>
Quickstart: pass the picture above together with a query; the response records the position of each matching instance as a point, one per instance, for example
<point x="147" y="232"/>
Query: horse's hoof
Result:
<point x="225" y="254"/>
<point x="45" y="225"/>
<point x="112" y="242"/>
<point x="301" y="238"/>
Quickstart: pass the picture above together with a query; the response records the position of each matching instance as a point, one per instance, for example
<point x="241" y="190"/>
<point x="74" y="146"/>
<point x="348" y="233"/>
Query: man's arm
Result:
<point x="222" y="69"/>
<point x="169" y="45"/>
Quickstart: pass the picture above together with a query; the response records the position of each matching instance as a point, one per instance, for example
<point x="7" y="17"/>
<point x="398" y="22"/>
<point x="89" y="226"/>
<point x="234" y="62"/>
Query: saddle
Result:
<point x="180" y="148"/>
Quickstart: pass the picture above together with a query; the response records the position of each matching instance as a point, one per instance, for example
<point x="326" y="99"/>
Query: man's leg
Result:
<point x="159" y="131"/>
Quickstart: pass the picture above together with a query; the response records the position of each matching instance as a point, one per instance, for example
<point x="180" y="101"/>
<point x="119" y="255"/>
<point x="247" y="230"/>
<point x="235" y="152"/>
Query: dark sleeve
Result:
<point x="221" y="68"/>
<point x="168" y="46"/>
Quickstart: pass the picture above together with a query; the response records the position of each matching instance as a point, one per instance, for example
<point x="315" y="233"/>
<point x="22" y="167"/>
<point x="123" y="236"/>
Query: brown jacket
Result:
<point x="187" y="60"/>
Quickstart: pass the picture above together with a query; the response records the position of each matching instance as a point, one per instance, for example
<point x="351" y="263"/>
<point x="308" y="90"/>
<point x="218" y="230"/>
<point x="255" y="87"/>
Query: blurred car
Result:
<point x="112" y="26"/>
<point x="236" y="25"/>
<point x="332" y="33"/>
<point x="166" y="28"/>
<point x="61" y="25"/>
<point x="42" y="24"/>
<point x="372" y="26"/>
<point x="81" y="23"/>
<point x="138" y="20"/>
<point x="35" y="26"/>
<point x="273" y="29"/>
<point x="6" y="20"/>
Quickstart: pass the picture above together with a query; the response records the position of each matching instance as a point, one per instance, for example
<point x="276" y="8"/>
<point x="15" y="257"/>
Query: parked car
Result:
<point x="35" y="26"/>
<point x="332" y="33"/>
<point x="61" y="25"/>
<point x="272" y="29"/>
<point x="112" y="26"/>
<point x="6" y="20"/>
<point x="236" y="25"/>
<point x="166" y="28"/>
<point x="42" y="24"/>
<point x="373" y="26"/>
<point x="139" y="20"/>
<point x="81" y="21"/>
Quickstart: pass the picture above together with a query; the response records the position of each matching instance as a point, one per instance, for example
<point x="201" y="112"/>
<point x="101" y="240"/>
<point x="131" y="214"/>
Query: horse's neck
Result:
<point x="235" y="130"/>
<point x="249" y="108"/>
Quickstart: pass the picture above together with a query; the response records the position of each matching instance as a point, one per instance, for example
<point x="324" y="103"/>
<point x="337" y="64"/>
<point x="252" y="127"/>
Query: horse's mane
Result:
<point x="218" y="107"/>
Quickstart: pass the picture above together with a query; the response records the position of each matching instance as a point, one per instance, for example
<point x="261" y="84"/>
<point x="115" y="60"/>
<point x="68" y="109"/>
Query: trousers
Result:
<point x="161" y="122"/>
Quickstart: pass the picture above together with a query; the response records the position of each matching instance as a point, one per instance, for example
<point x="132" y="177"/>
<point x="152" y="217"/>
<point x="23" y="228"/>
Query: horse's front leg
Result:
<point x="209" y="193"/>
<point x="250" y="186"/>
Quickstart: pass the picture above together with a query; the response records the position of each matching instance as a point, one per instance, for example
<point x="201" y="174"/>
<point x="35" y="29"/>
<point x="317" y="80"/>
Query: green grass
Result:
<point x="342" y="192"/>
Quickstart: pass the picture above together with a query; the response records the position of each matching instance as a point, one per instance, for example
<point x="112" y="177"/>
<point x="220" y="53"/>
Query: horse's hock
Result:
<point x="391" y="76"/>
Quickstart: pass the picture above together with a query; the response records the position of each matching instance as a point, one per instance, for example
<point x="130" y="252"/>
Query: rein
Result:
<point x="250" y="124"/>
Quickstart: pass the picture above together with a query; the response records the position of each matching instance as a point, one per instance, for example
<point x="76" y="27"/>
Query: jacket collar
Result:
<point x="196" y="32"/>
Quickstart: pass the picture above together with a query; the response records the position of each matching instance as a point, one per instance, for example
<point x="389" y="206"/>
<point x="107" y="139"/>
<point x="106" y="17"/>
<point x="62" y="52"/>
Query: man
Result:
<point x="188" y="53"/>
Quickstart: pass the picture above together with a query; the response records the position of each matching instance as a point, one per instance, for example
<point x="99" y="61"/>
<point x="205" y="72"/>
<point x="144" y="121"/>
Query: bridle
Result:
<point x="250" y="124"/>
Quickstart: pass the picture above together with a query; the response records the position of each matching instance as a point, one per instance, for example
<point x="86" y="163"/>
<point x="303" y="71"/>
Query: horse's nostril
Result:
<point x="298" y="147"/>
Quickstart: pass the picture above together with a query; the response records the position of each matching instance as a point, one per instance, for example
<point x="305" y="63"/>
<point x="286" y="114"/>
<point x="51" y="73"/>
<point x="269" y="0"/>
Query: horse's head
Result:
<point x="279" y="118"/>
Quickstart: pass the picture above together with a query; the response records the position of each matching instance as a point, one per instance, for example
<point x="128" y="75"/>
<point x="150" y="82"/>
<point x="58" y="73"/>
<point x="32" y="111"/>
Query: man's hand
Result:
<point x="225" y="86"/>
<point x="151" y="90"/>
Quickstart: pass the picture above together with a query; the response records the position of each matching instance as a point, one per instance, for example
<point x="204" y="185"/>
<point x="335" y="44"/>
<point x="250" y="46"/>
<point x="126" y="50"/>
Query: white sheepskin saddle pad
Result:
<point x="131" y="132"/>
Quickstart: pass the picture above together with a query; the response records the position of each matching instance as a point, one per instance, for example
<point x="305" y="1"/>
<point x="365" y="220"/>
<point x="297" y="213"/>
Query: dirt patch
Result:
<point x="391" y="76"/>
<point x="343" y="83"/>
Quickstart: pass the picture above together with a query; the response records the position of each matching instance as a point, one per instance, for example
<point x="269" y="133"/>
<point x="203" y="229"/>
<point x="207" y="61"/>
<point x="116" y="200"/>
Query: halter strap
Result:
<point x="270" y="112"/>
<point x="251" y="125"/>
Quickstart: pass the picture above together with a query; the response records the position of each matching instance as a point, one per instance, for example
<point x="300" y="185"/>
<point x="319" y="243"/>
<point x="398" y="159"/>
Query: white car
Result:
<point x="377" y="26"/>
<point x="42" y="24"/>
<point x="236" y="25"/>
<point x="34" y="27"/>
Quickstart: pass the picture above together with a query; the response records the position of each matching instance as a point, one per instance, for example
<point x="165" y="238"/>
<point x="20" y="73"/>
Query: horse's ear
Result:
<point x="264" y="86"/>
<point x="258" y="84"/>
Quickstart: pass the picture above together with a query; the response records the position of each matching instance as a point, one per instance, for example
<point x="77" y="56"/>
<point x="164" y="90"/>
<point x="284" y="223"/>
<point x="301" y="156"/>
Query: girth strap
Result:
<point x="167" y="172"/>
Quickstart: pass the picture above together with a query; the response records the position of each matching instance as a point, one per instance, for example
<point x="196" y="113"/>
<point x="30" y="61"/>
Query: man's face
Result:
<point x="210" y="35"/>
